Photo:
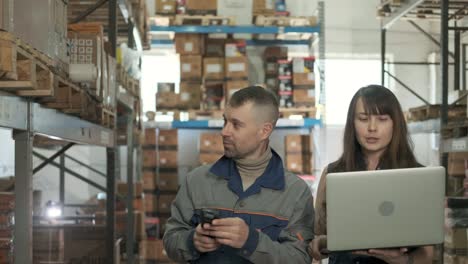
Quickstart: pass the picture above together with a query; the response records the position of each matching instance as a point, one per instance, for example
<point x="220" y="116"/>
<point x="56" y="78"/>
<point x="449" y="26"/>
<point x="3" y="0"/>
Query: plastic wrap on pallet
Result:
<point x="83" y="72"/>
<point x="456" y="217"/>
<point x="112" y="78"/>
<point x="130" y="61"/>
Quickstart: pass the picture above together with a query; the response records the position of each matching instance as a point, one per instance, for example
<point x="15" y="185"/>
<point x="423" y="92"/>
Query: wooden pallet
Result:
<point x="106" y="117"/>
<point x="309" y="112"/>
<point x="207" y="20"/>
<point x="262" y="20"/>
<point x="24" y="70"/>
<point x="67" y="95"/>
<point x="425" y="112"/>
<point x="455" y="129"/>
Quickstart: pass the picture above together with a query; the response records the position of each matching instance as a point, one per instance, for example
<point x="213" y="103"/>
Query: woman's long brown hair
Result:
<point x="377" y="100"/>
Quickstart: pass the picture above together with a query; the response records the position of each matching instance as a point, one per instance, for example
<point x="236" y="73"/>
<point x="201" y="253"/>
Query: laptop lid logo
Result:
<point x="386" y="208"/>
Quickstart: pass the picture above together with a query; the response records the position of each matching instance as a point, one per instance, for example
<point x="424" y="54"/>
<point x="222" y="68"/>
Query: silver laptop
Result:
<point x="385" y="208"/>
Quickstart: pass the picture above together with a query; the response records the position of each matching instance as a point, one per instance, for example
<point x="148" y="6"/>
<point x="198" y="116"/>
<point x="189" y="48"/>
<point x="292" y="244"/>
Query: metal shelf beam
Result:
<point x="13" y="112"/>
<point x="51" y="123"/>
<point x="218" y="123"/>
<point x="406" y="7"/>
<point x="235" y="29"/>
<point x="252" y="42"/>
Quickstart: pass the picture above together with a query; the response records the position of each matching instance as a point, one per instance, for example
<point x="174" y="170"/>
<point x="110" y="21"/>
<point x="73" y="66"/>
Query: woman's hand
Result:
<point x="318" y="247"/>
<point x="391" y="256"/>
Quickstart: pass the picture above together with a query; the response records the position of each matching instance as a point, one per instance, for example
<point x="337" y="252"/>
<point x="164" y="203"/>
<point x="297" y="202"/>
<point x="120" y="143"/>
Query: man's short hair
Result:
<point x="260" y="97"/>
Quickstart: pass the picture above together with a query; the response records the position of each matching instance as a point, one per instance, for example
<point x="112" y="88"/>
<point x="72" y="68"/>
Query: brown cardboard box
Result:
<point x="153" y="250"/>
<point x="263" y="7"/>
<point x="213" y="95"/>
<point x="139" y="204"/>
<point x="456" y="163"/>
<point x="189" y="44"/>
<point x="234" y="86"/>
<point x="275" y="53"/>
<point x="211" y="143"/>
<point x="150" y="136"/>
<point x="297" y="143"/>
<point x="190" y="67"/>
<point x="149" y="158"/>
<point x="208" y="158"/>
<point x="214" y="47"/>
<point x="456" y="238"/>
<point x="168" y="158"/>
<point x="121" y="223"/>
<point x="299" y="163"/>
<point x="167" y="100"/>
<point x="167" y="137"/>
<point x="305" y="97"/>
<point x="197" y="7"/>
<point x="166" y="7"/>
<point x="190" y="95"/>
<point x="149" y="180"/>
<point x="168" y="181"/>
<point x="304" y="78"/>
<point x="122" y="188"/>
<point x="213" y="68"/>
<point x="7" y="184"/>
<point x="7" y="201"/>
<point x="150" y="203"/>
<point x="454" y="186"/>
<point x="164" y="202"/>
<point x="454" y="259"/>
<point x="237" y="67"/>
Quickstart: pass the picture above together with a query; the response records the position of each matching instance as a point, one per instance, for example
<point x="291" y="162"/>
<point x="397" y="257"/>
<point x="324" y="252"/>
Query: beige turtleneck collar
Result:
<point x="250" y="170"/>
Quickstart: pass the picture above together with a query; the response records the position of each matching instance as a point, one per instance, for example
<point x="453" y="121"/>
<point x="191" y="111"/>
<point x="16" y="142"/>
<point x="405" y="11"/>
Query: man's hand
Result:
<point x="391" y="256"/>
<point x="318" y="247"/>
<point x="202" y="241"/>
<point x="232" y="232"/>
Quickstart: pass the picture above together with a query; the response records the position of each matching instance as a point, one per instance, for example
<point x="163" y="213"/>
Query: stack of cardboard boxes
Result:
<point x="160" y="184"/>
<point x="456" y="173"/>
<point x="7" y="207"/>
<point x="237" y="67"/>
<point x="303" y="82"/>
<point x="299" y="154"/>
<point x="210" y="148"/>
<point x="456" y="231"/>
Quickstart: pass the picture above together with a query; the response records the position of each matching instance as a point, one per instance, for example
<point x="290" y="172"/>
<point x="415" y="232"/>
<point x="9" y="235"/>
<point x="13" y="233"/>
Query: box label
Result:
<point x="186" y="67"/>
<point x="236" y="67"/>
<point x="167" y="7"/>
<point x="185" y="97"/>
<point x="188" y="47"/>
<point x="311" y="76"/>
<point x="213" y="68"/>
<point x="298" y="66"/>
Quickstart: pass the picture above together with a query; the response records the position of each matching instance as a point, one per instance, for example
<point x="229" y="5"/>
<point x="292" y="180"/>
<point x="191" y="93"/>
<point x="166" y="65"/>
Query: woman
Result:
<point x="375" y="137"/>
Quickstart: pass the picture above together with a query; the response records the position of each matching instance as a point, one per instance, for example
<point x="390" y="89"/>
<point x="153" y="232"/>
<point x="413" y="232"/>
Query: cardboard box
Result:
<point x="271" y="68"/>
<point x="167" y="137"/>
<point x="7" y="184"/>
<point x="456" y="238"/>
<point x="299" y="163"/>
<point x="214" y="47"/>
<point x="297" y="143"/>
<point x="456" y="163"/>
<point x="197" y="7"/>
<point x="139" y="204"/>
<point x="240" y="10"/>
<point x="213" y="95"/>
<point x="122" y="188"/>
<point x="213" y="68"/>
<point x="168" y="181"/>
<point x="211" y="143"/>
<point x="149" y="158"/>
<point x="166" y="87"/>
<point x="190" y="67"/>
<point x="303" y="65"/>
<point x="150" y="203"/>
<point x="149" y="180"/>
<point x="7" y="201"/>
<point x="275" y="53"/>
<point x="190" y="95"/>
<point x="235" y="49"/>
<point x="454" y="259"/>
<point x="209" y="158"/>
<point x="237" y="67"/>
<point x="304" y="97"/>
<point x="455" y="186"/>
<point x="189" y="44"/>
<point x="168" y="158"/>
<point x="304" y="78"/>
<point x="166" y="7"/>
<point x="121" y="223"/>
<point x="153" y="250"/>
<point x="165" y="202"/>
<point x="263" y="7"/>
<point x="150" y="136"/>
<point x="167" y="100"/>
<point x="234" y="86"/>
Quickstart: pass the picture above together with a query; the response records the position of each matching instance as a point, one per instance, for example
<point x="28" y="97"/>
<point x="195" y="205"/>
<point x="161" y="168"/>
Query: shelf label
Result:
<point x="458" y="145"/>
<point x="104" y="137"/>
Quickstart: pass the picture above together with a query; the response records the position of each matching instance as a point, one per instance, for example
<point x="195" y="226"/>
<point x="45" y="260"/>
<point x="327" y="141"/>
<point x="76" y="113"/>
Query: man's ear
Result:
<point x="266" y="130"/>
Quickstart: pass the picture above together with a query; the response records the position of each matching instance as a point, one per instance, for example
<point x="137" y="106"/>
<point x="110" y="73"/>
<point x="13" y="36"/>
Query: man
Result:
<point x="265" y="215"/>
